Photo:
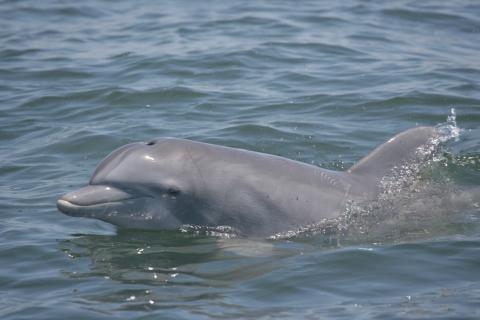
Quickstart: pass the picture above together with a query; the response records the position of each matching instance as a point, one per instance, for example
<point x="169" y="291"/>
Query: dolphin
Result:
<point x="167" y="183"/>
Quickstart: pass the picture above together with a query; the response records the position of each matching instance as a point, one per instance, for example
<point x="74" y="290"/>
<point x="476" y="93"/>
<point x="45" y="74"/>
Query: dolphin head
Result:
<point x="140" y="185"/>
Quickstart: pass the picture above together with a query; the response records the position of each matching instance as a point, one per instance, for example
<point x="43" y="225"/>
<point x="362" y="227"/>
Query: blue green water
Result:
<point x="322" y="82"/>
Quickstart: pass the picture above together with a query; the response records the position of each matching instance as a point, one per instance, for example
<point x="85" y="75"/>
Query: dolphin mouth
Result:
<point x="75" y="210"/>
<point x="93" y="200"/>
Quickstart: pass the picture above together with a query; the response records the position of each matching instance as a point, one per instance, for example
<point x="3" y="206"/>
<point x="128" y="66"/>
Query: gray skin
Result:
<point x="170" y="182"/>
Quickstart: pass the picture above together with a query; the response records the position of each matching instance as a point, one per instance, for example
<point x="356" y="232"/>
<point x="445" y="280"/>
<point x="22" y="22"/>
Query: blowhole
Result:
<point x="150" y="143"/>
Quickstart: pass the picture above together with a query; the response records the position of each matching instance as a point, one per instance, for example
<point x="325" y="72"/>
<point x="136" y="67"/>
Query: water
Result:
<point x="320" y="82"/>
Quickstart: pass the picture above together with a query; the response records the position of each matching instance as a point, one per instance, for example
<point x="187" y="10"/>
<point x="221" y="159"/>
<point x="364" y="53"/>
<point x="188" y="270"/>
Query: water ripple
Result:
<point x="320" y="82"/>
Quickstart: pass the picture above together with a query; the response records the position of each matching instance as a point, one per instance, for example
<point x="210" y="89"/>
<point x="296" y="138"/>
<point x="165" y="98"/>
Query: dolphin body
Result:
<point x="169" y="182"/>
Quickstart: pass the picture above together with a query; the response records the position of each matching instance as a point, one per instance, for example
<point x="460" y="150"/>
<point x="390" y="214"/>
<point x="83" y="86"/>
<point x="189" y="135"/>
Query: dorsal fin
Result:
<point x="397" y="151"/>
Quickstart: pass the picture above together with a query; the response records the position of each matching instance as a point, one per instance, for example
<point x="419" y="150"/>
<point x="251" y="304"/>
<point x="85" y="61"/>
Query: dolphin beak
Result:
<point x="90" y="199"/>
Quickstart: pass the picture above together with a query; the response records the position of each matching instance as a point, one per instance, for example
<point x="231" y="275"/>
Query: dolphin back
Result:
<point x="411" y="145"/>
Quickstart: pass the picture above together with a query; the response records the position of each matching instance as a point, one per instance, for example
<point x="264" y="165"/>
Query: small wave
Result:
<point x="153" y="96"/>
<point x="255" y="130"/>
<point x="17" y="53"/>
<point x="60" y="74"/>
<point x="64" y="10"/>
<point x="448" y="20"/>
<point x="48" y="103"/>
<point x="315" y="48"/>
<point x="316" y="19"/>
<point x="248" y="21"/>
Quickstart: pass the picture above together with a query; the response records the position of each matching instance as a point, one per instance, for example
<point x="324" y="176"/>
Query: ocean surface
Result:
<point x="323" y="82"/>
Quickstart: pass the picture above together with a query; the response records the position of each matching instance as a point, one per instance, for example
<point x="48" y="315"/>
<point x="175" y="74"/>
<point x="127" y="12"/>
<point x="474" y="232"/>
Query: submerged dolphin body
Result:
<point x="167" y="183"/>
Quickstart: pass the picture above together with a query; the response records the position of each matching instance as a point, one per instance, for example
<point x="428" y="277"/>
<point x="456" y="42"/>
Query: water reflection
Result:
<point x="176" y="257"/>
<point x="170" y="268"/>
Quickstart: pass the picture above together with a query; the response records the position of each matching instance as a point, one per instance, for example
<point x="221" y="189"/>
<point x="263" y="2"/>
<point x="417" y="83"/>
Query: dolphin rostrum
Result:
<point x="169" y="182"/>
